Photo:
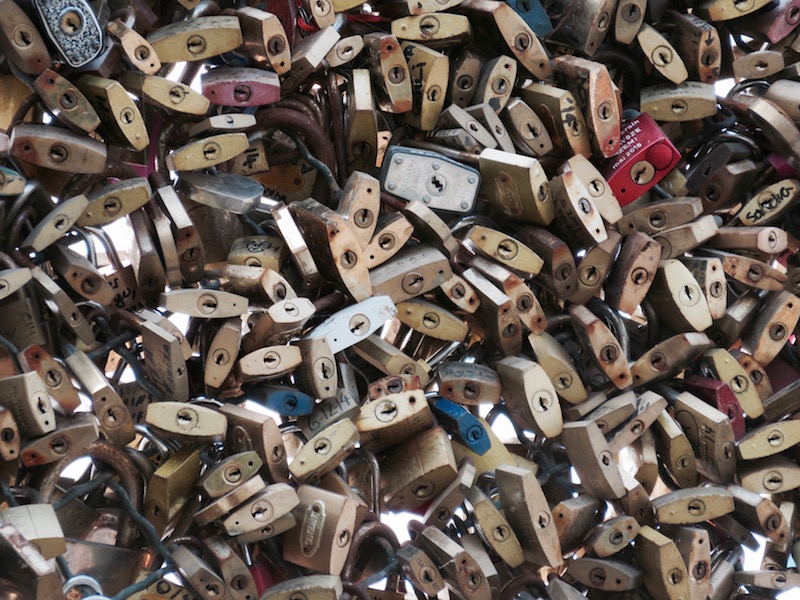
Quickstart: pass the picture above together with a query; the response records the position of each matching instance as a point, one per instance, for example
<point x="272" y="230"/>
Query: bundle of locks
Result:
<point x="523" y="270"/>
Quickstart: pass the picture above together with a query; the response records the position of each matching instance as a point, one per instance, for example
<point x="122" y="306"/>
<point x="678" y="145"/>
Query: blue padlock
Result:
<point x="284" y="400"/>
<point x="534" y="14"/>
<point x="462" y="425"/>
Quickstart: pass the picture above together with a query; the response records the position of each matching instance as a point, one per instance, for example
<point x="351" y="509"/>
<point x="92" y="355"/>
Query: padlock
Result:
<point x="327" y="448"/>
<point x="716" y="458"/>
<point x="420" y="569"/>
<point x="576" y="216"/>
<point x="418" y="469"/>
<point x="169" y="486"/>
<point x="523" y="300"/>
<point x="612" y="412"/>
<point x="526" y="129"/>
<point x="645" y="157"/>
<point x="591" y="84"/>
<point x="719" y="363"/>
<point x="164" y="361"/>
<point x="606" y="574"/>
<point x="720" y="395"/>
<point x="634" y="272"/>
<point x="459" y="568"/>
<point x="462" y="425"/>
<point x="227" y="503"/>
<point x="281" y="321"/>
<point x="493" y="527"/>
<point x="196" y="39"/>
<point x="759" y="513"/>
<point x="434" y="30"/>
<point x="115" y="418"/>
<point x="186" y="421"/>
<point x="756" y="64"/>
<point x="519" y="186"/>
<point x="260" y="510"/>
<point x="648" y="406"/>
<point x="114" y="201"/>
<point x="29" y="568"/>
<point x="668" y="357"/>
<point x="431" y="320"/>
<point x="324" y="531"/>
<point x="70" y="435"/>
<point x="187" y="240"/>
<point x="393" y="418"/>
<point x="56" y="224"/>
<point x="675" y="287"/>
<point x="163" y="92"/>
<point x="21" y="41"/>
<point x="498" y="311"/>
<point x="57" y="149"/>
<point x="229" y="473"/>
<point x="527" y="511"/>
<point x="227" y="123"/>
<point x="612" y="535"/>
<point x="207" y="152"/>
<point x="659" y="215"/>
<point x="427" y="72"/>
<point x="308" y="53"/>
<point x="442" y="507"/>
<point x="604" y="348"/>
<point x="65" y="101"/>
<point x="430" y="178"/>
<point x="122" y="120"/>
<point x="334" y="246"/>
<point x="239" y="582"/>
<point x="561" y="115"/>
<point x="240" y="86"/>
<point x="661" y="54"/>
<point x="74" y="29"/>
<point x="29" y="403"/>
<point x="666" y="575"/>
<point x="606" y="482"/>
<point x="559" y="272"/>
<point x="698" y="43"/>
<point x="688" y="101"/>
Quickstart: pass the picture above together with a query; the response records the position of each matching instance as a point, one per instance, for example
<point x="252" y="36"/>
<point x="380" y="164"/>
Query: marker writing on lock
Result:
<point x="329" y="409"/>
<point x="772" y="202"/>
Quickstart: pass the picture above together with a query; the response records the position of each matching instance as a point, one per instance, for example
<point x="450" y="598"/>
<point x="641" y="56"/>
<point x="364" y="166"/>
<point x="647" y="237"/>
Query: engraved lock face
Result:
<point x="73" y="27"/>
<point x="326" y="523"/>
<point x="435" y="176"/>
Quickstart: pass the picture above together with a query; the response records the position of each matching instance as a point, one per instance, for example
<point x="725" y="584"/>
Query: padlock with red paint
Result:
<point x="646" y="156"/>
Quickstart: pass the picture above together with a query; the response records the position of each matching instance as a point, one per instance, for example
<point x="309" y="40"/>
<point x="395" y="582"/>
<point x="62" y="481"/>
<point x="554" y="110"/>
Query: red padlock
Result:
<point x="719" y="395"/>
<point x="646" y="156"/>
<point x="241" y="86"/>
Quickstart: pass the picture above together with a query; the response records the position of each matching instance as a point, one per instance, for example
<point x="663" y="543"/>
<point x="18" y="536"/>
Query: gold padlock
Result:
<point x="325" y="528"/>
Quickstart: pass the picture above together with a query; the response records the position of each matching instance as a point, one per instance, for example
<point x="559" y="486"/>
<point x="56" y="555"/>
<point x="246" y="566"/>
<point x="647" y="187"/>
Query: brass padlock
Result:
<point x="526" y="509"/>
<point x="418" y="469"/>
<point x="168" y="488"/>
<point x="459" y="568"/>
<point x="325" y="528"/>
